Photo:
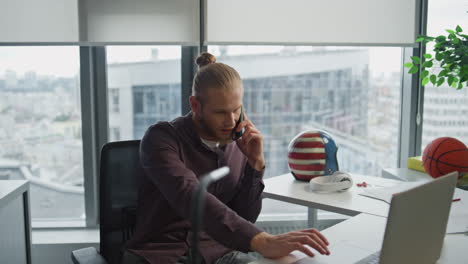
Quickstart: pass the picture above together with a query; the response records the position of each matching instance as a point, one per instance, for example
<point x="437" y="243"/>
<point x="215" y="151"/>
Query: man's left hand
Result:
<point x="251" y="144"/>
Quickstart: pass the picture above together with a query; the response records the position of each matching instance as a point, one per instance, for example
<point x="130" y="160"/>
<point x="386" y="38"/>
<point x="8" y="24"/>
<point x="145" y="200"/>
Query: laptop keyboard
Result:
<point x="371" y="259"/>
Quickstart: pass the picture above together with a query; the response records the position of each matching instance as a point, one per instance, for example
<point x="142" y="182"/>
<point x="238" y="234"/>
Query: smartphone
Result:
<point x="236" y="135"/>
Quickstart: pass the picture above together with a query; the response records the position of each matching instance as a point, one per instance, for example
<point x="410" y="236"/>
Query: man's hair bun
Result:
<point x="204" y="59"/>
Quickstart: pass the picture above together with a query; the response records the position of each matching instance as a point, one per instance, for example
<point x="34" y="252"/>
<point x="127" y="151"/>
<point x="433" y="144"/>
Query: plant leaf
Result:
<point x="425" y="81"/>
<point x="443" y="73"/>
<point x="427" y="56"/>
<point x="440" y="81"/>
<point x="458" y="29"/>
<point x="456" y="41"/>
<point x="424" y="73"/>
<point x="428" y="64"/>
<point x="413" y="70"/>
<point x="420" y="39"/>
<point x="450" y="31"/>
<point x="408" y="65"/>
<point x="439" y="56"/>
<point x="433" y="79"/>
<point x="416" y="59"/>
<point x="450" y="80"/>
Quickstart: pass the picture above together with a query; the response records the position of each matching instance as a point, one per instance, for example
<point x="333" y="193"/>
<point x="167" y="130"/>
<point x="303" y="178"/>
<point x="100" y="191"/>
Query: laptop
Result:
<point x="416" y="225"/>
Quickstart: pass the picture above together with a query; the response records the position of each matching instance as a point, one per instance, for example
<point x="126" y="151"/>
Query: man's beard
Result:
<point x="209" y="131"/>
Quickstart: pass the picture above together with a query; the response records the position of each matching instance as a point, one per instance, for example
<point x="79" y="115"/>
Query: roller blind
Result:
<point x="100" y="21"/>
<point x="38" y="21"/>
<point x="324" y="22"/>
<point x="161" y="21"/>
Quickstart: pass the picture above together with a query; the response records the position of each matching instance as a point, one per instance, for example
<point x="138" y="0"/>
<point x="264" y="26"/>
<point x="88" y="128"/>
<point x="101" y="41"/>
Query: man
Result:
<point x="174" y="154"/>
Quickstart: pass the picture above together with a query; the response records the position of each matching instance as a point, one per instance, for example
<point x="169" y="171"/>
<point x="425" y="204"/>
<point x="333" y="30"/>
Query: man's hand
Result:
<point x="251" y="144"/>
<point x="276" y="246"/>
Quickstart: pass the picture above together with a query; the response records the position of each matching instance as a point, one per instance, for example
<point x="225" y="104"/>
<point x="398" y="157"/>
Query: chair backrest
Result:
<point x="120" y="176"/>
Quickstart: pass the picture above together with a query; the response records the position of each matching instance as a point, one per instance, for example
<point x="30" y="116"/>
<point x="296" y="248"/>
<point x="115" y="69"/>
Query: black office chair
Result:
<point x="119" y="178"/>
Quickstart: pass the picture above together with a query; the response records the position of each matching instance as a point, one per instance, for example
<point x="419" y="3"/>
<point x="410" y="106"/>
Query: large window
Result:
<point x="40" y="131"/>
<point x="445" y="108"/>
<point x="351" y="92"/>
<point x="144" y="88"/>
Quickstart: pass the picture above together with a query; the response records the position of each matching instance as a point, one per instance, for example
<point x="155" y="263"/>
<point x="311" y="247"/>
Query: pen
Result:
<point x="456" y="200"/>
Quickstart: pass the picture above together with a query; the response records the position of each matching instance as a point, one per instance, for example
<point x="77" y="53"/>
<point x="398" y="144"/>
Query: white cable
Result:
<point x="338" y="181"/>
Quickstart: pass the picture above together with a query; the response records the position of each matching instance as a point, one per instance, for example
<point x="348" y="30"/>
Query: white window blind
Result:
<point x="38" y="21"/>
<point x="134" y="21"/>
<point x="100" y="21"/>
<point x="321" y="22"/>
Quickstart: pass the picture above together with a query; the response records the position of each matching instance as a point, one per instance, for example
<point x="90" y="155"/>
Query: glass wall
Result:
<point x="40" y="131"/>
<point x="143" y="88"/>
<point x="351" y="92"/>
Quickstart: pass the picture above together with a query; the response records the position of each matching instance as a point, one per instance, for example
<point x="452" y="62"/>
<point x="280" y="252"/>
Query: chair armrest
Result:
<point x="87" y="255"/>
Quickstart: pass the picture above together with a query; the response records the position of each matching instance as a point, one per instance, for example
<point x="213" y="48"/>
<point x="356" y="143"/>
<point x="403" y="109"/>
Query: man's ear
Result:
<point x="194" y="104"/>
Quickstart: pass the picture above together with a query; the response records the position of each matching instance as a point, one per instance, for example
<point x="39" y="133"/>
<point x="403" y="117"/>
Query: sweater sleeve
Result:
<point x="162" y="165"/>
<point x="248" y="201"/>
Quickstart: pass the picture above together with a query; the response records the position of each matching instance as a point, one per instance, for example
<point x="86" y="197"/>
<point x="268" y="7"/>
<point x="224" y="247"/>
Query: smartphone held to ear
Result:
<point x="236" y="135"/>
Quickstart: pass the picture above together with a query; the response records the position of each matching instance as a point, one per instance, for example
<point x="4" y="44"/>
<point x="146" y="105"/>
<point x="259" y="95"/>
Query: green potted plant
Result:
<point x="450" y="54"/>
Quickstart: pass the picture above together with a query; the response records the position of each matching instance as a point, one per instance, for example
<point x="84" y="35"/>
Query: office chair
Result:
<point x="119" y="178"/>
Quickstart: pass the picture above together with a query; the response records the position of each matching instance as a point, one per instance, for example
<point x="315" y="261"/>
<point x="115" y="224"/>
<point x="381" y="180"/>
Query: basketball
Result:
<point x="444" y="155"/>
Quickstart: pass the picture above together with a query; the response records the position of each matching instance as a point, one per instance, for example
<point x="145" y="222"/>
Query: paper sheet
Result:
<point x="385" y="194"/>
<point x="458" y="217"/>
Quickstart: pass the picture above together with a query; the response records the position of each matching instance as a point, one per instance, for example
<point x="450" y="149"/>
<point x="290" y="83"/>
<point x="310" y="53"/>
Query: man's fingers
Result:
<point x="246" y="136"/>
<point x="302" y="248"/>
<point x="318" y="239"/>
<point x="250" y="134"/>
<point x="315" y="231"/>
<point x="307" y="240"/>
<point x="320" y="242"/>
<point x="246" y="124"/>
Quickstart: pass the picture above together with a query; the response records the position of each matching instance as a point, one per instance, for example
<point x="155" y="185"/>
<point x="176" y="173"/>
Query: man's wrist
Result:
<point x="258" y="241"/>
<point x="258" y="165"/>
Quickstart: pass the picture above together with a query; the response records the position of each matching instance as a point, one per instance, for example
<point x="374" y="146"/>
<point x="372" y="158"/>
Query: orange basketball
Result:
<point x="444" y="155"/>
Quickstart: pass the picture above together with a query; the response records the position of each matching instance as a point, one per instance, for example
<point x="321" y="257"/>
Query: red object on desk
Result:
<point x="363" y="184"/>
<point x="456" y="200"/>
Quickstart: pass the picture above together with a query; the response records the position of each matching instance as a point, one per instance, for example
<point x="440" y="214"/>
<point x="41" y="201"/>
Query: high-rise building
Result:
<point x="11" y="80"/>
<point x="284" y="95"/>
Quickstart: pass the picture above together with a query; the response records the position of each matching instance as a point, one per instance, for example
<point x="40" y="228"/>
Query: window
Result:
<point x="149" y="90"/>
<point x="351" y="92"/>
<point x="40" y="131"/>
<point x="114" y="100"/>
<point x="445" y="108"/>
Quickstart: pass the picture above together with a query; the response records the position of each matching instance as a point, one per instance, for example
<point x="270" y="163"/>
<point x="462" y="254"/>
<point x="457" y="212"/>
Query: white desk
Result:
<point x="359" y="236"/>
<point x="286" y="188"/>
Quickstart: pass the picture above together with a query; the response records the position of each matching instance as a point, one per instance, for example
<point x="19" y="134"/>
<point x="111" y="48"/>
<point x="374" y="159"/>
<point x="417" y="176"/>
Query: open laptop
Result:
<point x="416" y="225"/>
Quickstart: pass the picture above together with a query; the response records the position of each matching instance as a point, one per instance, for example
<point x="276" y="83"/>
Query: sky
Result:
<point x="64" y="60"/>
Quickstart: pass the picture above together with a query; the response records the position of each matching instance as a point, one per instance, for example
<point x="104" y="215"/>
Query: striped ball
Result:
<point x="307" y="155"/>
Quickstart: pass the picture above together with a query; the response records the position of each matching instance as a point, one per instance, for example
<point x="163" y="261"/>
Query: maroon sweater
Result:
<point x="174" y="158"/>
